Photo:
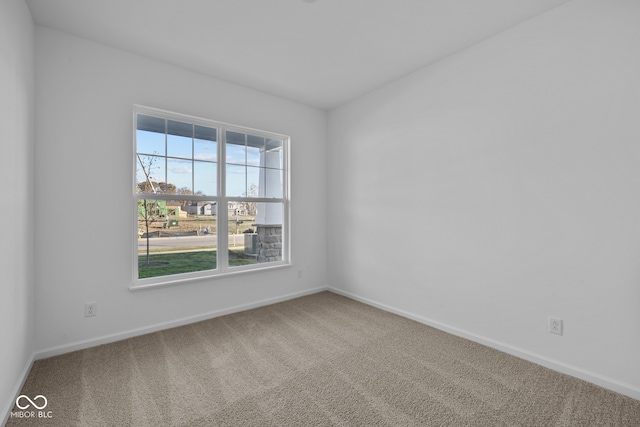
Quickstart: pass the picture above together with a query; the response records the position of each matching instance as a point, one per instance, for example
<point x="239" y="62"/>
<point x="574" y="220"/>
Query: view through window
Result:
<point x="211" y="198"/>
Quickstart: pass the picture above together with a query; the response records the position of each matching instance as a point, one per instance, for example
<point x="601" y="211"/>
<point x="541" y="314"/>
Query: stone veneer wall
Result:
<point x="269" y="243"/>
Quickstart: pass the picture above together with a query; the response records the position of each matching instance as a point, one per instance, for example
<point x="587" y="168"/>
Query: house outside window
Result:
<point x="211" y="198"/>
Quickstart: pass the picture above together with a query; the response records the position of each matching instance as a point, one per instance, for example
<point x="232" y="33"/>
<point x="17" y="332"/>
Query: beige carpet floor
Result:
<point x="320" y="360"/>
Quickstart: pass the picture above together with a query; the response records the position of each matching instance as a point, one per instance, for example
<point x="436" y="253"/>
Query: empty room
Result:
<point x="320" y="212"/>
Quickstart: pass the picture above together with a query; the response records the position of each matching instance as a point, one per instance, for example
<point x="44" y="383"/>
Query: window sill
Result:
<point x="159" y="282"/>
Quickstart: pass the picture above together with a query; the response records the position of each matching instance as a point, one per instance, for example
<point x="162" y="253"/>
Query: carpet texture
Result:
<point x="320" y="360"/>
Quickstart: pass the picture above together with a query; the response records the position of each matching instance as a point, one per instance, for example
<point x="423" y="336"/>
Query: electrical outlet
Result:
<point x="90" y="309"/>
<point x="555" y="325"/>
<point x="299" y="273"/>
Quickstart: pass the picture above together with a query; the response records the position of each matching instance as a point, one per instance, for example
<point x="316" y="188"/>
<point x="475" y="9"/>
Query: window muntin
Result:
<point x="177" y="165"/>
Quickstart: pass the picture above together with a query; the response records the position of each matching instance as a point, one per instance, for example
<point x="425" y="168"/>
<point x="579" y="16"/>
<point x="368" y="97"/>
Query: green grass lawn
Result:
<point x="186" y="262"/>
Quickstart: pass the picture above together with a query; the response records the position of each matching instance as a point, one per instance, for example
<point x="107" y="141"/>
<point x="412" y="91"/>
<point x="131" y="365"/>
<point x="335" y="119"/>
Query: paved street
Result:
<point x="186" y="241"/>
<point x="175" y="242"/>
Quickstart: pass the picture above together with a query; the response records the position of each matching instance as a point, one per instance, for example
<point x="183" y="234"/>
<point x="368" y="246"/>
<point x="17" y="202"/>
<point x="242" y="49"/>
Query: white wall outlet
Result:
<point x="555" y="325"/>
<point x="90" y="309"/>
<point x="299" y="273"/>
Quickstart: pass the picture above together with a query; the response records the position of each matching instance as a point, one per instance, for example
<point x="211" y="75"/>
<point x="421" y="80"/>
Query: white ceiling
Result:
<point x="322" y="53"/>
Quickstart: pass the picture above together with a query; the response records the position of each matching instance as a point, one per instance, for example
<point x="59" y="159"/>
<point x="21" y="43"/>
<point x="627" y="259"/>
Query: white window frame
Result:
<point x="222" y="200"/>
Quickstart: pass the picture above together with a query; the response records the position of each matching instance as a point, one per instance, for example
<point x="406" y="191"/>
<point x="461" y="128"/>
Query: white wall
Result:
<point x="501" y="186"/>
<point x="16" y="176"/>
<point x="84" y="97"/>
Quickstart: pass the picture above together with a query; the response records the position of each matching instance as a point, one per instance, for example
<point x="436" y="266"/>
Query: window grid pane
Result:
<point x="150" y="170"/>
<point x="205" y="178"/>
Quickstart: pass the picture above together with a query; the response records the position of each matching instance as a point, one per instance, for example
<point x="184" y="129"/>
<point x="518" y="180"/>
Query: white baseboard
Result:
<point x="6" y="411"/>
<point x="105" y="339"/>
<point x="594" y="378"/>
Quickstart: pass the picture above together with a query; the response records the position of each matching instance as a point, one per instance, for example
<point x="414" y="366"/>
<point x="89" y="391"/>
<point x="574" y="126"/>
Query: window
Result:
<point x="211" y="198"/>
